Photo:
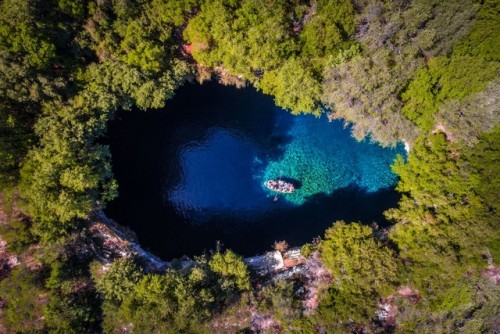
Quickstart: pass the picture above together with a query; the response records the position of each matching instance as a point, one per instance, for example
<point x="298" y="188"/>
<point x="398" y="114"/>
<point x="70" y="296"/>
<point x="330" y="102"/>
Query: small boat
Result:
<point x="280" y="186"/>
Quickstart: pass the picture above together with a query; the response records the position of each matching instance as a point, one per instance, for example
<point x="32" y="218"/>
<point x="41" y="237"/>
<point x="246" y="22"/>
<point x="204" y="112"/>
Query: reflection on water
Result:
<point x="193" y="173"/>
<point x="217" y="176"/>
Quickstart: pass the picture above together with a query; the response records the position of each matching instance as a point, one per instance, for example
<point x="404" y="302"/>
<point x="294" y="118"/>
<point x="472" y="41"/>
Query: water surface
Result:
<point x="193" y="173"/>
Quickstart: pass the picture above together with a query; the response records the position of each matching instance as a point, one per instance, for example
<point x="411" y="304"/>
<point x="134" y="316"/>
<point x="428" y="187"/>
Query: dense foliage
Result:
<point x="363" y="271"/>
<point x="179" y="300"/>
<point x="422" y="71"/>
<point x="280" y="46"/>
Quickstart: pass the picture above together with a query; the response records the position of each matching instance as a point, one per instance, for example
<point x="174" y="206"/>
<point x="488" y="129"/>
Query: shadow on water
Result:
<point x="300" y="224"/>
<point x="156" y="151"/>
<point x="170" y="235"/>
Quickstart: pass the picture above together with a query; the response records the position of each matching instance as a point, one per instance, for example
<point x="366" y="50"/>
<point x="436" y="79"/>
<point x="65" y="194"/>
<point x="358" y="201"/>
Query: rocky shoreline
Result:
<point x="110" y="240"/>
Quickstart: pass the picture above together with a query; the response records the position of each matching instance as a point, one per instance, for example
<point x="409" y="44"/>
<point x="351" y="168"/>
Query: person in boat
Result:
<point x="280" y="186"/>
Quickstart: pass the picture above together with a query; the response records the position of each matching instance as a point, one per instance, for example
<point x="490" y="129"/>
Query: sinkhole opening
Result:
<point x="193" y="173"/>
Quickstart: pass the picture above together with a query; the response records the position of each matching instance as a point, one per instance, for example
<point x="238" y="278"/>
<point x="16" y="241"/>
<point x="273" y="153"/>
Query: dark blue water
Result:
<point x="192" y="174"/>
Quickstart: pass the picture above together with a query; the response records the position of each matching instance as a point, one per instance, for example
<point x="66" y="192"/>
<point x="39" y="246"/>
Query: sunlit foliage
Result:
<point x="362" y="268"/>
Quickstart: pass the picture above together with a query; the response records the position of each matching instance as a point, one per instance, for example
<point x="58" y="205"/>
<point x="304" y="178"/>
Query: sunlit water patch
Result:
<point x="324" y="158"/>
<point x="193" y="173"/>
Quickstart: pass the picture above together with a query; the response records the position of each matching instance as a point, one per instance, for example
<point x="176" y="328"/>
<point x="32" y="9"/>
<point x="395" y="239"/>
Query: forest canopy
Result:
<point x="425" y="72"/>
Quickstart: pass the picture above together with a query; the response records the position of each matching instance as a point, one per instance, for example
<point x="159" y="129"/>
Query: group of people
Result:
<point x="280" y="186"/>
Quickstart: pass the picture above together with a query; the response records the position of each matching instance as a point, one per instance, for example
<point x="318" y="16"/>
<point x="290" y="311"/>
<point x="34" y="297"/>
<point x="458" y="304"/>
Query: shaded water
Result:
<point x="193" y="173"/>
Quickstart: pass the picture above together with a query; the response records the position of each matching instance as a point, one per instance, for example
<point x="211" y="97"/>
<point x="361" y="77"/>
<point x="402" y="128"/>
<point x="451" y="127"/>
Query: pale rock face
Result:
<point x="317" y="277"/>
<point x="265" y="264"/>
<point x="276" y="259"/>
<point x="7" y="261"/>
<point x="262" y="323"/>
<point x="407" y="146"/>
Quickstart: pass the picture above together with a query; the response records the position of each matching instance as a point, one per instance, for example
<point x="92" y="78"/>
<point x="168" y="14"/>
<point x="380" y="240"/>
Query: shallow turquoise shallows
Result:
<point x="193" y="173"/>
<point x="325" y="158"/>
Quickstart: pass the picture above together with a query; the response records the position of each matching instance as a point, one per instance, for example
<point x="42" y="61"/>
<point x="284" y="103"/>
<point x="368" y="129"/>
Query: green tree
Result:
<point x="447" y="215"/>
<point x="483" y="39"/>
<point x="177" y="301"/>
<point x="15" y="137"/>
<point x="119" y="280"/>
<point x="140" y="50"/>
<point x="366" y="91"/>
<point x="294" y="87"/>
<point x="23" y="292"/>
<point x="17" y="233"/>
<point x="76" y="311"/>
<point x="445" y="80"/>
<point x="363" y="270"/>
<point x="75" y="8"/>
<point x="465" y="121"/>
<point x="233" y="271"/>
<point x="441" y="184"/>
<point x="21" y="32"/>
<point x="69" y="175"/>
<point x="327" y="29"/>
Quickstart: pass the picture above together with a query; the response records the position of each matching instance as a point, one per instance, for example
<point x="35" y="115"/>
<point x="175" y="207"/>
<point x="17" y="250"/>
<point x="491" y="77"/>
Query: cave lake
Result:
<point x="193" y="173"/>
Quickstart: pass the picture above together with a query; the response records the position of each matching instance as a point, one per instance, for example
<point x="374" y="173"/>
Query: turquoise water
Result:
<point x="324" y="158"/>
<point x="193" y="173"/>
